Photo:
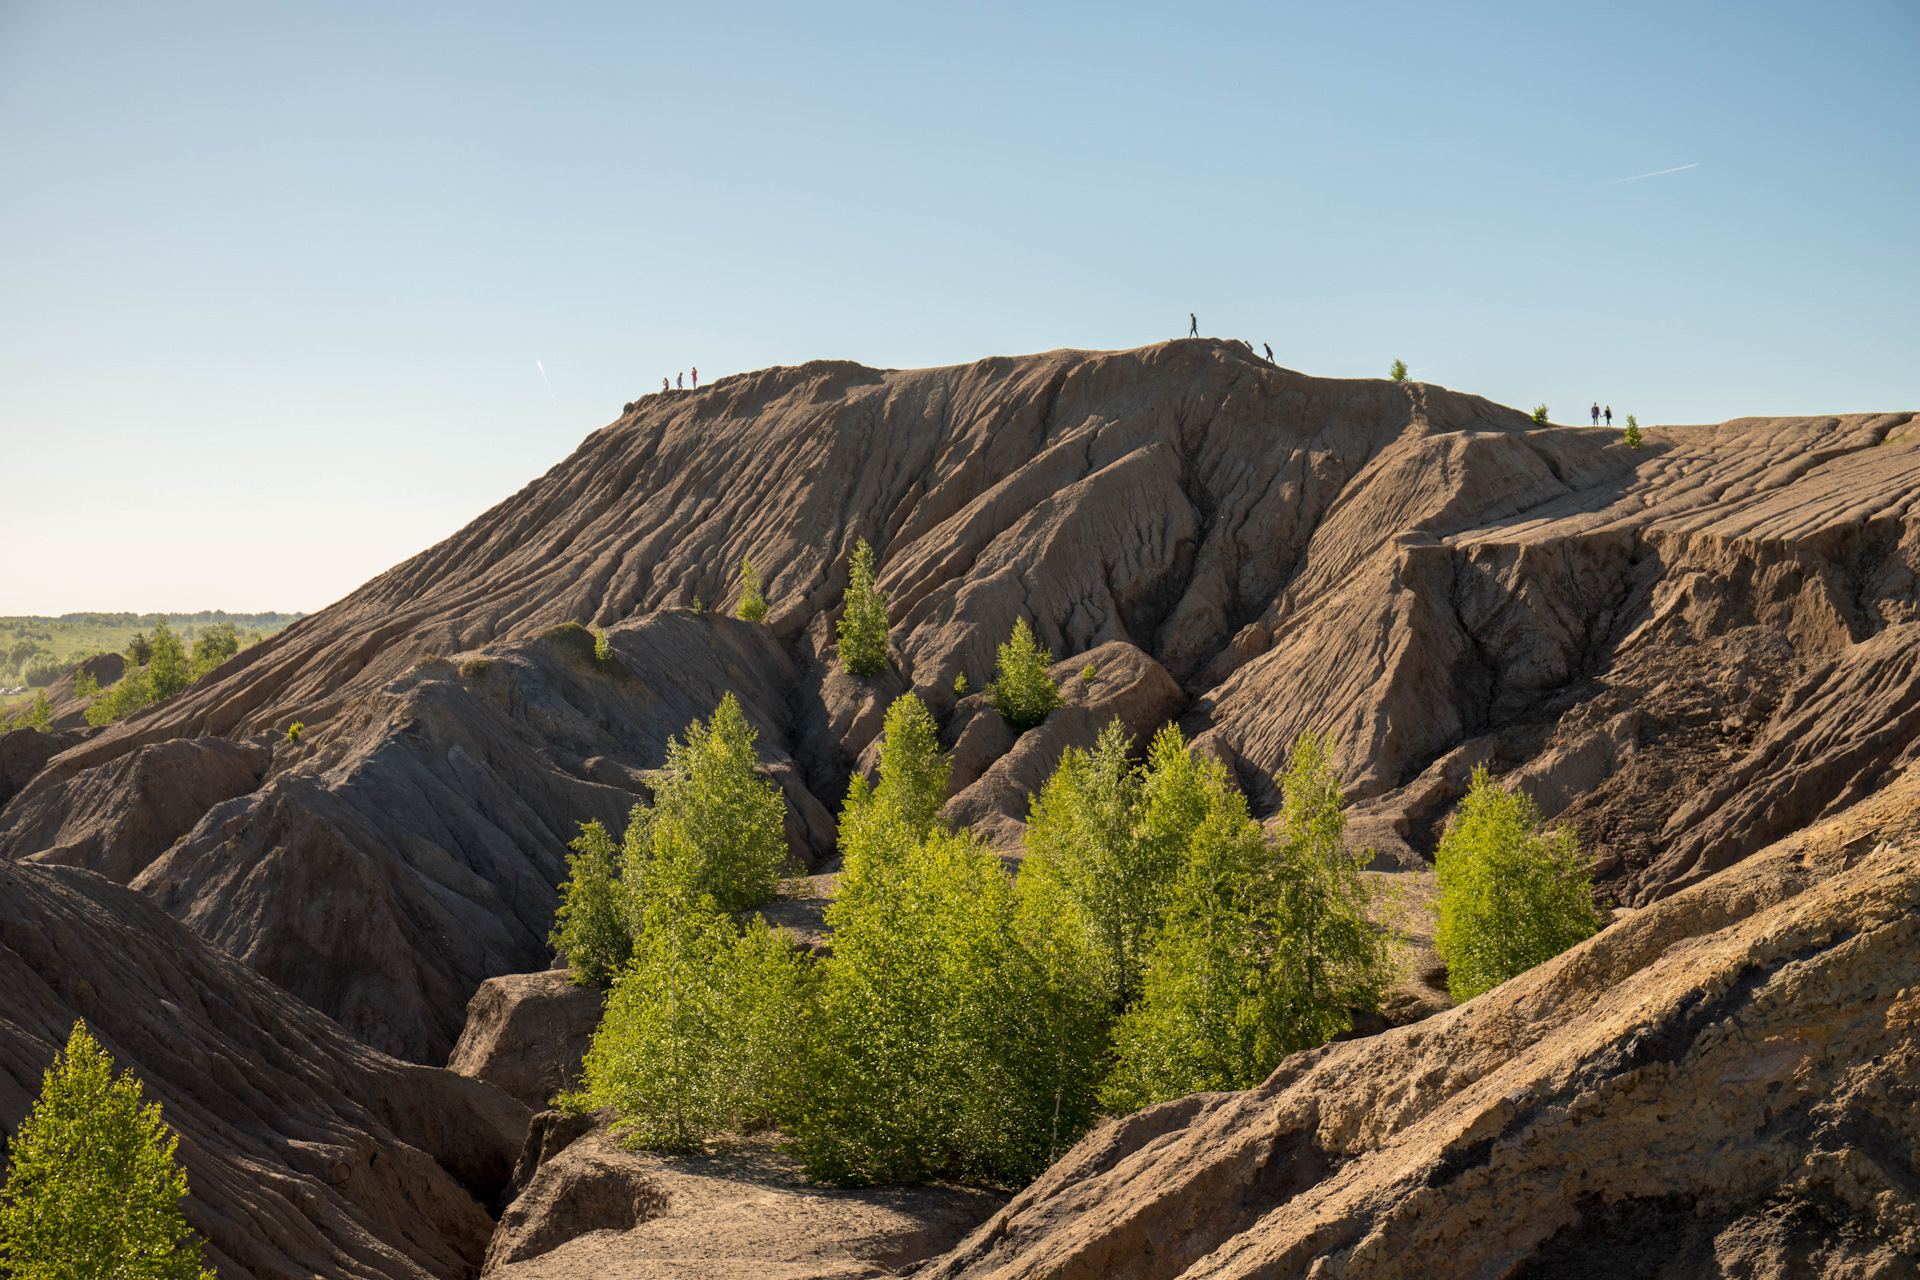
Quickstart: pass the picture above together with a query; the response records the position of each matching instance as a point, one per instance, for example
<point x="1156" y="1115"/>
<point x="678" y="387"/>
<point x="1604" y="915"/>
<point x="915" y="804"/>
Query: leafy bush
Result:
<point x="913" y="769"/>
<point x="863" y="624"/>
<point x="591" y="927"/>
<point x="215" y="645"/>
<point x="43" y="669"/>
<point x="1265" y="951"/>
<point x="1399" y="371"/>
<point x="1540" y="414"/>
<point x="92" y="1185"/>
<point x="1633" y="437"/>
<point x="603" y="655"/>
<point x="1023" y="692"/>
<point x="1089" y="673"/>
<point x="704" y="1029"/>
<point x="1110" y="838"/>
<point x="140" y="649"/>
<point x="127" y="695"/>
<point x="753" y="602"/>
<point x="1511" y="896"/>
<point x="168" y="673"/>
<point x="960" y="684"/>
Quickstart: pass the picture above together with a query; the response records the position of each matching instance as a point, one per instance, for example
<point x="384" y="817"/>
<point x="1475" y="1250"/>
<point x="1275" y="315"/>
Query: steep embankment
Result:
<point x="1427" y="574"/>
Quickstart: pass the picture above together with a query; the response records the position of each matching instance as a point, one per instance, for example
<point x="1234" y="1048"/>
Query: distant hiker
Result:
<point x="696" y="377"/>
<point x="1193" y="325"/>
<point x="1596" y="413"/>
<point x="679" y="382"/>
<point x="1269" y="347"/>
<point x="1609" y="412"/>
<point x="664" y="385"/>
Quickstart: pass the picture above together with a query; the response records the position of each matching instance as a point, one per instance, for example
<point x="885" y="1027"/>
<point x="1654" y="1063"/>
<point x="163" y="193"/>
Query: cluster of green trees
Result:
<point x="93" y="1188"/>
<point x="156" y="669"/>
<point x="969" y="1024"/>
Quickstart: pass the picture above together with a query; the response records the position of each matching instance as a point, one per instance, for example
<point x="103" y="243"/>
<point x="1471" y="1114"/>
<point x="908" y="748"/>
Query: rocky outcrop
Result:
<point x="1414" y="570"/>
<point x="24" y="752"/>
<point x="1721" y="1083"/>
<point x="527" y="1033"/>
<point x="117" y="817"/>
<point x="307" y="1153"/>
<point x="595" y="1209"/>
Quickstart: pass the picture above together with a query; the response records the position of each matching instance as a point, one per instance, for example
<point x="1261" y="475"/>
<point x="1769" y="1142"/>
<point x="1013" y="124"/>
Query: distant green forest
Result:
<point x="36" y="651"/>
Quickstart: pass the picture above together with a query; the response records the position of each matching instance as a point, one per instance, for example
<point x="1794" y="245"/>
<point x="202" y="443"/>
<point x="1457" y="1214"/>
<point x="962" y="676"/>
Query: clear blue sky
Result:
<point x="274" y="277"/>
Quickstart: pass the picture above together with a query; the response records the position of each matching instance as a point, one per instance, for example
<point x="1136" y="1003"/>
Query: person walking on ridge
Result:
<point x="1193" y="325"/>
<point x="1596" y="413"/>
<point x="664" y="386"/>
<point x="1608" y="411"/>
<point x="679" y="382"/>
<point x="1269" y="347"/>
<point x="696" y="377"/>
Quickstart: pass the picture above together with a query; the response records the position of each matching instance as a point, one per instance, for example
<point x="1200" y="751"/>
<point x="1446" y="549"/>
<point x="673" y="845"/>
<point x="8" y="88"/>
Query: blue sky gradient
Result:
<point x="274" y="277"/>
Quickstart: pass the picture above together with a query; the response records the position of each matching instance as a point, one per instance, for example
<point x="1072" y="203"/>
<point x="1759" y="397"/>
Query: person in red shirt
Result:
<point x="696" y="378"/>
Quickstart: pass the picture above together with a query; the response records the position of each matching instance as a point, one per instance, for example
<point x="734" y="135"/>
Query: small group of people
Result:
<point x="680" y="383"/>
<point x="1598" y="413"/>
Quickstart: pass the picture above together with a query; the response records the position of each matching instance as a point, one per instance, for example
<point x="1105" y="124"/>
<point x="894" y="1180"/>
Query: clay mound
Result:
<point x="25" y="752"/>
<point x="1430" y="576"/>
<point x="594" y="1209"/>
<point x="1723" y="1083"/>
<point x="307" y="1153"/>
<point x="527" y="1034"/>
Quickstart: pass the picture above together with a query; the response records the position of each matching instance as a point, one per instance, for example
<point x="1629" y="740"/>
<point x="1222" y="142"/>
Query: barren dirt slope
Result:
<point x="1428" y="575"/>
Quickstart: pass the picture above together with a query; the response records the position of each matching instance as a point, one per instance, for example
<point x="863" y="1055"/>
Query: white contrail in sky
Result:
<point x="543" y="377"/>
<point x="1656" y="173"/>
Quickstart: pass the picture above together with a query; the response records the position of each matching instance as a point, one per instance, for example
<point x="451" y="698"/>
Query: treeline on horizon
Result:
<point x="150" y="620"/>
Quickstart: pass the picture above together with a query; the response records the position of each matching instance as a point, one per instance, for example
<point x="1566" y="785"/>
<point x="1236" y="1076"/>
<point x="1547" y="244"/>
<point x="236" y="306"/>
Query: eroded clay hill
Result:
<point x="1688" y="650"/>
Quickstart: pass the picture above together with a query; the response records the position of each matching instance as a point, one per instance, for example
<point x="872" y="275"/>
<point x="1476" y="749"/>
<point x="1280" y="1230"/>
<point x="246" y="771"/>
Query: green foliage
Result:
<point x="1398" y="372"/>
<point x="294" y="731"/>
<point x="139" y="649"/>
<point x="1266" y="950"/>
<point x="39" y="715"/>
<point x="591" y="927"/>
<point x="167" y="673"/>
<point x="1540" y="414"/>
<point x="1633" y="437"/>
<point x="697" y="606"/>
<point x="704" y="1029"/>
<point x="1511" y="896"/>
<point x="92" y="1185"/>
<point x="1108" y="839"/>
<point x="1023" y="693"/>
<point x="42" y="669"/>
<point x="214" y="646"/>
<point x="129" y="693"/>
<point x="960" y="684"/>
<point x="954" y="1034"/>
<point x="753" y="602"/>
<point x="716" y="828"/>
<point x="85" y="686"/>
<point x="913" y="769"/>
<point x="863" y="624"/>
<point x="1089" y="673"/>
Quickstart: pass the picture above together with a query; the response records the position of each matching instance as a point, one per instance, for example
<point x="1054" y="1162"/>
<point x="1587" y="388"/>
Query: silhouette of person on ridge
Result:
<point x="1193" y="325"/>
<point x="1608" y="412"/>
<point x="1596" y="413"/>
<point x="679" y="382"/>
<point x="1269" y="347"/>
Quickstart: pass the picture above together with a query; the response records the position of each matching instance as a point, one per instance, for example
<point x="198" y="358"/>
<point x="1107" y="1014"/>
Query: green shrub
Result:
<point x="1398" y="371"/>
<point x="913" y="769"/>
<point x="1265" y="951"/>
<point x="1633" y="437"/>
<point x="294" y="731"/>
<point x="603" y="655"/>
<point x="169" y="672"/>
<point x="1111" y="837"/>
<point x="39" y="715"/>
<point x="592" y="926"/>
<point x="715" y="828"/>
<point x="139" y="650"/>
<point x="960" y="684"/>
<point x="1023" y="692"/>
<point x="84" y="685"/>
<point x="1089" y="673"/>
<point x="1511" y="895"/>
<point x="1540" y="414"/>
<point x="43" y="669"/>
<point x="92" y="1187"/>
<point x="753" y="602"/>
<point x="215" y="645"/>
<point x="127" y="695"/>
<point x="704" y="1031"/>
<point x="863" y="624"/>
